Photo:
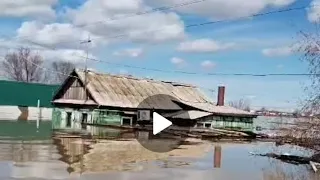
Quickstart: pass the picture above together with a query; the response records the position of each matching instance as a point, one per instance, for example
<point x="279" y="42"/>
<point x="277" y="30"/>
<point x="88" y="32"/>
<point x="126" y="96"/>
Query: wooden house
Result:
<point x="94" y="98"/>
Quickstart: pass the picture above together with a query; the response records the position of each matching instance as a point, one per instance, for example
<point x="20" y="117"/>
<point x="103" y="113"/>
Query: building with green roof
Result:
<point x="19" y="100"/>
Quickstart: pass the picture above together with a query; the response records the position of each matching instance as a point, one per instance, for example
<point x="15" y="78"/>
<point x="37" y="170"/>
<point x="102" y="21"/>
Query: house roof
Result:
<point x="129" y="92"/>
<point x="192" y="114"/>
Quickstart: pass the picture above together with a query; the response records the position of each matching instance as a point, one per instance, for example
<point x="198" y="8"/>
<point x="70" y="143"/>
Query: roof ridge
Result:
<point x="137" y="78"/>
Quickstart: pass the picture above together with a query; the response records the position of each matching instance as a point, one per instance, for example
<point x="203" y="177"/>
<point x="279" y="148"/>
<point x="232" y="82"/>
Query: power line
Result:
<point x="157" y="9"/>
<point x="187" y="26"/>
<point x="197" y="73"/>
<point x="50" y="70"/>
<point x="219" y="21"/>
<point x="193" y="73"/>
<point x="211" y="74"/>
<point x="69" y="75"/>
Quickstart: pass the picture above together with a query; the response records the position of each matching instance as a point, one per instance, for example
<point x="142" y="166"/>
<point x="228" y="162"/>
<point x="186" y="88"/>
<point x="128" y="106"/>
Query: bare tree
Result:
<point x="310" y="47"/>
<point x="23" y="65"/>
<point x="240" y="104"/>
<point x="306" y="130"/>
<point x="63" y="69"/>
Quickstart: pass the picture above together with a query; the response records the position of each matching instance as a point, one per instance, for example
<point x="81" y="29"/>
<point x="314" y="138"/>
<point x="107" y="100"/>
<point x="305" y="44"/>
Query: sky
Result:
<point x="126" y="34"/>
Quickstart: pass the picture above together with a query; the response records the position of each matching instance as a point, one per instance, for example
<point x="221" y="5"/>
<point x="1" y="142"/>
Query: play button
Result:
<point x="159" y="123"/>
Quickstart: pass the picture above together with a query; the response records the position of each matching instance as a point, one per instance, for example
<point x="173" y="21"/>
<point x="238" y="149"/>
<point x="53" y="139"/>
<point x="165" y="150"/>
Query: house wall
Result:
<point x="95" y="116"/>
<point x="24" y="113"/>
<point x="75" y="91"/>
<point x="226" y="122"/>
<point x="59" y="118"/>
<point x="106" y="117"/>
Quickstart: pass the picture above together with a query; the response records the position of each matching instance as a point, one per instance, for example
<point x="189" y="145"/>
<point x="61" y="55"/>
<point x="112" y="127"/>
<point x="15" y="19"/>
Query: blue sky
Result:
<point x="161" y="40"/>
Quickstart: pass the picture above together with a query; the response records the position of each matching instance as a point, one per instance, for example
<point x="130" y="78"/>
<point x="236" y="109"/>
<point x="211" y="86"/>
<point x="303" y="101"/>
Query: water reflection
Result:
<point x="114" y="154"/>
<point x="72" y="150"/>
<point x="217" y="156"/>
<point x="30" y="159"/>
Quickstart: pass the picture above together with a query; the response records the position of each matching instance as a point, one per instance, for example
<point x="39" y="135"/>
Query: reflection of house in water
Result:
<point x="217" y="156"/>
<point x="72" y="150"/>
<point x="31" y="159"/>
<point x="105" y="133"/>
<point x="115" y="100"/>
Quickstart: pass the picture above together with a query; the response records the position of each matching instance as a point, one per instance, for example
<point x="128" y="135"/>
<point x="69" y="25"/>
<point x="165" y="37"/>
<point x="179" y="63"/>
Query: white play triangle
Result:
<point x="159" y="123"/>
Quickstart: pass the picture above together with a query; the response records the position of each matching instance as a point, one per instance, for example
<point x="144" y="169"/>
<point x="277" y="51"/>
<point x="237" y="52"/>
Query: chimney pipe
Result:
<point x="221" y="92"/>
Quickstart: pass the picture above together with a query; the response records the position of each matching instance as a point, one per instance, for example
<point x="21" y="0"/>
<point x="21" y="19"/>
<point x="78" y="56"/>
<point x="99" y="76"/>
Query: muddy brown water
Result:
<point x="34" y="154"/>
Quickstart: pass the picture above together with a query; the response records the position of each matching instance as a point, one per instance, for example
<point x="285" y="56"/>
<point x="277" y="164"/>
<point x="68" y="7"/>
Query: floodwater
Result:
<point x="28" y="153"/>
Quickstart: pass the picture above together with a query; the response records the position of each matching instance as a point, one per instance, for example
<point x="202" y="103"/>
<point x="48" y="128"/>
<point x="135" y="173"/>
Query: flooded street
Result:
<point x="28" y="154"/>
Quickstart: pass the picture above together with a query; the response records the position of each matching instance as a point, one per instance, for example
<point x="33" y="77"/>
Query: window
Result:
<point x="228" y="118"/>
<point x="127" y="121"/>
<point x="199" y="125"/>
<point x="84" y="120"/>
<point x="237" y="119"/>
<point x="69" y="116"/>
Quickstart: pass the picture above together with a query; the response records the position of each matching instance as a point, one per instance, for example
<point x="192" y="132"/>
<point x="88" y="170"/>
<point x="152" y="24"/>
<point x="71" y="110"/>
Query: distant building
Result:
<point x="113" y="100"/>
<point x="277" y="113"/>
<point x="18" y="100"/>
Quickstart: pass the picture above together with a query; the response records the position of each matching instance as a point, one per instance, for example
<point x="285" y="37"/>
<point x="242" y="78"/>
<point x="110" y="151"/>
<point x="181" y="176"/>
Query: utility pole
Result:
<point x="86" y="66"/>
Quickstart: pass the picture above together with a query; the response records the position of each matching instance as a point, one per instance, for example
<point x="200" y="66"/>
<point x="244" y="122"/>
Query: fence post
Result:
<point x="38" y="119"/>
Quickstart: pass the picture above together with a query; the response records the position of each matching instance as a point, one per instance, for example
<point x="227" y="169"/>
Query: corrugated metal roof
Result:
<point x="15" y="93"/>
<point x="129" y="92"/>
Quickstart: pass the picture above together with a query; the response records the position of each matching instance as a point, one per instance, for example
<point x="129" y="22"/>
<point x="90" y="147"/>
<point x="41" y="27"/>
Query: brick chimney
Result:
<point x="221" y="92"/>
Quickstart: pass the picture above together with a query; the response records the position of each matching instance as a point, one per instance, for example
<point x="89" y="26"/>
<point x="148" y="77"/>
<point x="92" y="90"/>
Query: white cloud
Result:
<point x="178" y="62"/>
<point x="279" y="51"/>
<point x="55" y="35"/>
<point x="279" y="66"/>
<point x="40" y="9"/>
<point x="314" y="11"/>
<point x="71" y="55"/>
<point x="208" y="64"/>
<point x="204" y="45"/>
<point x="224" y="9"/>
<point x="132" y="52"/>
<point x="12" y="45"/>
<point x="152" y="27"/>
